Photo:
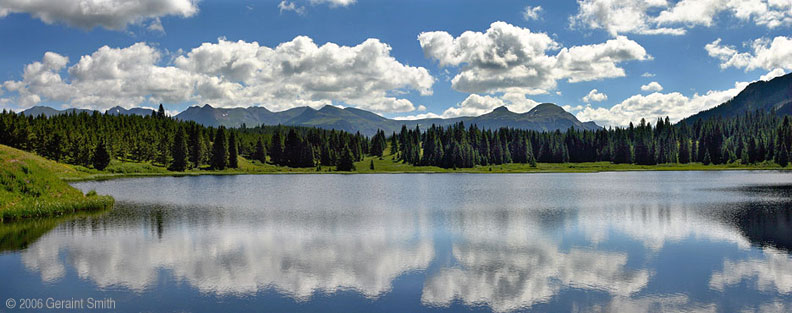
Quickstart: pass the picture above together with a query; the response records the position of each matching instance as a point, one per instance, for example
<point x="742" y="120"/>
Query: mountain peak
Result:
<point x="329" y="108"/>
<point x="207" y="106"/>
<point x="502" y="108"/>
<point x="547" y="108"/>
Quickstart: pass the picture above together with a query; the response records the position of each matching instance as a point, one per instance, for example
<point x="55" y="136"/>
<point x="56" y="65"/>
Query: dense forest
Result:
<point x="751" y="138"/>
<point x="93" y="140"/>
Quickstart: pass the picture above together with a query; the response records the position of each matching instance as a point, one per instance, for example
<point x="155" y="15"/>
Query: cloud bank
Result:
<point x="295" y="73"/>
<point x="110" y="14"/>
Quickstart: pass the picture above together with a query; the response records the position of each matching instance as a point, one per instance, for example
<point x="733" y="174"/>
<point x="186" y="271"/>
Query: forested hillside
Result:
<point x="93" y="140"/>
<point x="774" y="95"/>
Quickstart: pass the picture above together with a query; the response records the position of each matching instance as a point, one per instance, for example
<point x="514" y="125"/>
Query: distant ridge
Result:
<point x="543" y="117"/>
<point x="47" y="111"/>
<point x="773" y="95"/>
<point x="117" y="110"/>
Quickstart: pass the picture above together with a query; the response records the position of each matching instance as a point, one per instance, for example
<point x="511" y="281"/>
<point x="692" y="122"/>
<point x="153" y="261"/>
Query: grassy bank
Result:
<point x="31" y="186"/>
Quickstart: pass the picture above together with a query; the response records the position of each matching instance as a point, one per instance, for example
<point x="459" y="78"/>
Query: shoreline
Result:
<point x="550" y="168"/>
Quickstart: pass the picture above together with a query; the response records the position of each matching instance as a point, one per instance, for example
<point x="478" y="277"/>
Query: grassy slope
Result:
<point x="31" y="186"/>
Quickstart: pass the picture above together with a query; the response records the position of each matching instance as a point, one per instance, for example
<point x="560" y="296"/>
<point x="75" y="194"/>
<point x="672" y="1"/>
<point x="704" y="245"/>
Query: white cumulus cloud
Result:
<point x="766" y="54"/>
<point x="773" y="74"/>
<point x="290" y="6"/>
<point x="335" y="3"/>
<point x="475" y="105"/>
<point x="532" y="13"/>
<point x="621" y="17"/>
<point x="653" y="86"/>
<point x="656" y="105"/>
<point x="110" y="14"/>
<point x="594" y="96"/>
<point x="511" y="59"/>
<point x="649" y="17"/>
<point x="295" y="73"/>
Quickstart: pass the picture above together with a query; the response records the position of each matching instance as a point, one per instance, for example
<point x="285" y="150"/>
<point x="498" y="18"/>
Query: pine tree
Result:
<point x="163" y="149"/>
<point x="276" y="148"/>
<point x="101" y="158"/>
<point x="196" y="146"/>
<point x="707" y="160"/>
<point x="161" y="111"/>
<point x="233" y="152"/>
<point x="783" y="155"/>
<point x="219" y="150"/>
<point x="346" y="161"/>
<point x="260" y="154"/>
<point x="394" y="144"/>
<point x="684" y="151"/>
<point x="179" y="152"/>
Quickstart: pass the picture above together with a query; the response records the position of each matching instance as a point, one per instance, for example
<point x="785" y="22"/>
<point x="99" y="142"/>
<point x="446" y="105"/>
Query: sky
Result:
<point x="610" y="61"/>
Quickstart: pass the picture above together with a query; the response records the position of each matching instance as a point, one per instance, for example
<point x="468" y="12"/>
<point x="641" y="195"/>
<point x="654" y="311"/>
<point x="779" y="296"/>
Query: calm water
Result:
<point x="643" y="241"/>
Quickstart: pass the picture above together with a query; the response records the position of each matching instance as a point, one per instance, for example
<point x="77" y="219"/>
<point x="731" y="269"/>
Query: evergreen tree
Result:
<point x="707" y="159"/>
<point x="196" y="145"/>
<point x="371" y="165"/>
<point x="219" y="150"/>
<point x="276" y="148"/>
<point x="163" y="149"/>
<point x="684" y="151"/>
<point x="346" y="161"/>
<point x="782" y="155"/>
<point x="161" y="111"/>
<point x="101" y="158"/>
<point x="179" y="152"/>
<point x="394" y="144"/>
<point x="233" y="152"/>
<point x="260" y="154"/>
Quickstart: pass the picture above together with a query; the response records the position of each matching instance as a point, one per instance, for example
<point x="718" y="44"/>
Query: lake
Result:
<point x="622" y="241"/>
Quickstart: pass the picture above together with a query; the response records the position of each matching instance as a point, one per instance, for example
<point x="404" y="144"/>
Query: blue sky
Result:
<point x="597" y="58"/>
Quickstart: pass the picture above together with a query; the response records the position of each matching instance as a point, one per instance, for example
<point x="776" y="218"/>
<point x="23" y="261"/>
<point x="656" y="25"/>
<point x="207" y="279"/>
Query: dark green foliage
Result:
<point x="684" y="151"/>
<point x="346" y="161"/>
<point x="101" y="156"/>
<point x="179" y="152"/>
<point x="219" y="150"/>
<point x="74" y="138"/>
<point x="161" y="111"/>
<point x="276" y="148"/>
<point x="297" y="152"/>
<point x="260" y="154"/>
<point x="196" y="146"/>
<point x="233" y="153"/>
<point x="378" y="144"/>
<point x="783" y="156"/>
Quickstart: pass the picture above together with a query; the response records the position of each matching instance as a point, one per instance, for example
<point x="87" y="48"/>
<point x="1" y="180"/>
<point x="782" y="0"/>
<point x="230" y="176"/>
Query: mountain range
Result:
<point x="773" y="95"/>
<point x="543" y="117"/>
<point x="546" y="116"/>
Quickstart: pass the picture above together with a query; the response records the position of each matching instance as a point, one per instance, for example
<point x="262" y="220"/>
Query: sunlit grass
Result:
<point x="31" y="186"/>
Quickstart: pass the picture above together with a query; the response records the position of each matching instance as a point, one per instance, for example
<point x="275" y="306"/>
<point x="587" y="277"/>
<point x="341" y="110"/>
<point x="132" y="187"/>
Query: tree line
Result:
<point x="754" y="137"/>
<point x="94" y="139"/>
